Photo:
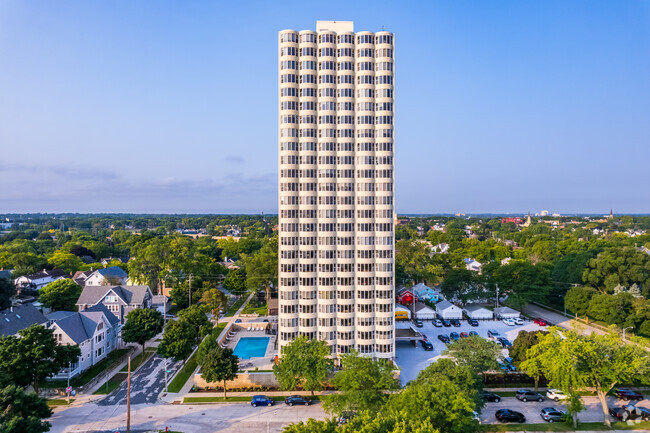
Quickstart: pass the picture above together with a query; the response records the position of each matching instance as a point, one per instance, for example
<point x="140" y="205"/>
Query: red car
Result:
<point x="540" y="321"/>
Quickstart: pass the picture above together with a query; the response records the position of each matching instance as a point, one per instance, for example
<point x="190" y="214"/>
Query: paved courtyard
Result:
<point x="412" y="359"/>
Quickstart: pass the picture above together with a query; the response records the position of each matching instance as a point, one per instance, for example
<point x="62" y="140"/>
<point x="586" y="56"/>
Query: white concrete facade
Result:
<point x="336" y="234"/>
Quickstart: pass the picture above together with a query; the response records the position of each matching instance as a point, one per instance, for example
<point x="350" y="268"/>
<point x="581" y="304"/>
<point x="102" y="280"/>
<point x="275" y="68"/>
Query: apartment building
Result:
<point x="336" y="183"/>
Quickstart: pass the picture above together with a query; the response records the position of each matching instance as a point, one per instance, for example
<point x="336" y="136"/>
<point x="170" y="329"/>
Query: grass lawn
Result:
<point x="85" y="377"/>
<point x="138" y="360"/>
<point x="59" y="402"/>
<point x="231" y="312"/>
<point x="279" y="398"/>
<point x="254" y="306"/>
<point x="111" y="384"/>
<point x="186" y="371"/>
<point x="597" y="426"/>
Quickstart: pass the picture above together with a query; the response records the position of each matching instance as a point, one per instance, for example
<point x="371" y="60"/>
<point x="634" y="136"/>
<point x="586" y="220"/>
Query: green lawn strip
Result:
<point x="59" y="402"/>
<point x="231" y="312"/>
<point x="138" y="360"/>
<point x="186" y="371"/>
<point x="279" y="398"/>
<point x="111" y="384"/>
<point x="85" y="377"/>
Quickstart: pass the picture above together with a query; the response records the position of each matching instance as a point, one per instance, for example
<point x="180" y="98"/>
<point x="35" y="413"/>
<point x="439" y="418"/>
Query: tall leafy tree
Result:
<point x="304" y="363"/>
<point x="214" y="300"/>
<point x="262" y="267"/>
<point x="523" y="282"/>
<point x="524" y="341"/>
<point x="614" y="266"/>
<point x="142" y="325"/>
<point x="22" y="412"/>
<point x="34" y="356"/>
<point x="7" y="291"/>
<point x="477" y="353"/>
<point x="65" y="261"/>
<point x="577" y="299"/>
<point x="217" y="364"/>
<point x="235" y="281"/>
<point x="362" y="384"/>
<point x="178" y="340"/>
<point x="60" y="295"/>
<point x="196" y="317"/>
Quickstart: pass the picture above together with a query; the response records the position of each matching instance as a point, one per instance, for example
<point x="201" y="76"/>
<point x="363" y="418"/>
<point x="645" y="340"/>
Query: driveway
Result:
<point x="146" y="384"/>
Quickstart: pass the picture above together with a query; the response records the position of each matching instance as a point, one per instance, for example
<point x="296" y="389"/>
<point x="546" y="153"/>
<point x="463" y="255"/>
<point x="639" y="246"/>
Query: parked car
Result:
<point x="446" y="323"/>
<point x="528" y="395"/>
<point x="540" y="321"/>
<point x="551" y="414"/>
<point x="490" y="396"/>
<point x="473" y="333"/>
<point x="455" y="322"/>
<point x="555" y="394"/>
<point x="627" y="394"/>
<point x="261" y="400"/>
<point x="509" y="322"/>
<point x="493" y="333"/>
<point x="426" y="344"/>
<point x="628" y="412"/>
<point x="419" y="323"/>
<point x="346" y="416"/>
<point x="507" y="415"/>
<point x="454" y="336"/>
<point x="437" y="323"/>
<point x="238" y="321"/>
<point x="443" y="338"/>
<point x="472" y="322"/>
<point x="518" y="321"/>
<point x="464" y="335"/>
<point x="296" y="399"/>
<point x="503" y="341"/>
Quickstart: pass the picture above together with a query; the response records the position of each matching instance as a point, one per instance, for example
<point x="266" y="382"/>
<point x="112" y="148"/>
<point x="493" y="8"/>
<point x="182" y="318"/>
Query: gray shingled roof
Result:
<point x="19" y="317"/>
<point x="92" y="295"/>
<point x="81" y="326"/>
<point x="54" y="273"/>
<point x="101" y="308"/>
<point x="443" y="305"/>
<point x="112" y="272"/>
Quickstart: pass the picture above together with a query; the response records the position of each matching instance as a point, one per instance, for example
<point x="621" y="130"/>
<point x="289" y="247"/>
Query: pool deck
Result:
<point x="256" y="330"/>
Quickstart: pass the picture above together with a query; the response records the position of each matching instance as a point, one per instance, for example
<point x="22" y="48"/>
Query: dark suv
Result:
<point x="528" y="395"/>
<point x="446" y="323"/>
<point x="418" y="323"/>
<point x="443" y="338"/>
<point x="551" y="414"/>
<point x="455" y="322"/>
<point x="629" y="412"/>
<point x="490" y="396"/>
<point x="261" y="400"/>
<point x="507" y="415"/>
<point x="426" y="344"/>
<point x="296" y="399"/>
<point x="627" y="394"/>
<point x="472" y="322"/>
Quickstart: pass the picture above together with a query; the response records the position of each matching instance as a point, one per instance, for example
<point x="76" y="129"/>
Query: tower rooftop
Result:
<point x="335" y="26"/>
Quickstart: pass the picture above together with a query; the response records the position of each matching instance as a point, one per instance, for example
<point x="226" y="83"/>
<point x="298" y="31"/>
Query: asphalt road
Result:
<point x="146" y="383"/>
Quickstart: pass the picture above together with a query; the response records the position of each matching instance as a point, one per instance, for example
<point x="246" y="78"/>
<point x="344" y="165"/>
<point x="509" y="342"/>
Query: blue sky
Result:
<point x="146" y="106"/>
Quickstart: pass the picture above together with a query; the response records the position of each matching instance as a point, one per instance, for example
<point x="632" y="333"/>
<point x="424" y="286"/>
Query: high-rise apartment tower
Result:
<point x="336" y="231"/>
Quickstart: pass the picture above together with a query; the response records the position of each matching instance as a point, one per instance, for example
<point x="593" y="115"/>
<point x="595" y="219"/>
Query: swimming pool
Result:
<point x="251" y="347"/>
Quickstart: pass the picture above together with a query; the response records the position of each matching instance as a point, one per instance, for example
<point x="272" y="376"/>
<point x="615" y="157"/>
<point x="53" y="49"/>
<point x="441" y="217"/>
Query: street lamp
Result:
<point x="629" y="327"/>
<point x="268" y="422"/>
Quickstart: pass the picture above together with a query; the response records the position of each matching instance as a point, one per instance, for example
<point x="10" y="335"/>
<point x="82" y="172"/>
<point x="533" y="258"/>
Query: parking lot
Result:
<point x="412" y="360"/>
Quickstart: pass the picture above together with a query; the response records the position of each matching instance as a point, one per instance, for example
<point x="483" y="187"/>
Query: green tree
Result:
<point x="60" y="295"/>
<point x="142" y="325"/>
<point x="147" y="261"/>
<point x="214" y="300"/>
<point x="523" y="282"/>
<point x="178" y="340"/>
<point x="262" y="267"/>
<point x="217" y="364"/>
<point x="235" y="281"/>
<point x="571" y="361"/>
<point x="312" y="426"/>
<point x="477" y="353"/>
<point x="616" y="309"/>
<point x="65" y="261"/>
<point x="34" y="355"/>
<point x="196" y="317"/>
<point x="459" y="284"/>
<point x="22" y="412"/>
<point x="362" y="384"/>
<point x="524" y="341"/>
<point x="577" y="299"/>
<point x="7" y="291"/>
<point x="615" y="266"/>
<point x="303" y="363"/>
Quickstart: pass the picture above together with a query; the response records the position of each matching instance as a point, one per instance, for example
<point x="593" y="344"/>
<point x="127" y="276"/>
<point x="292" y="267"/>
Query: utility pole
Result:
<point x="128" y="397"/>
<point x="189" y="291"/>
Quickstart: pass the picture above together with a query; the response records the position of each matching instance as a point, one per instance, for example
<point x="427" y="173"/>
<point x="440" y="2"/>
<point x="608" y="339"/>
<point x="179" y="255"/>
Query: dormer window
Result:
<point x="111" y="299"/>
<point x="100" y="326"/>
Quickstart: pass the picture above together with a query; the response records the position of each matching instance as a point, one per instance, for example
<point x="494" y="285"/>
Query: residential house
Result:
<point x="14" y="319"/>
<point x="473" y="265"/>
<point x="424" y="312"/>
<point x="424" y="292"/>
<point x="478" y="312"/>
<point x="161" y="303"/>
<point x="506" y="260"/>
<point x="442" y="248"/>
<point x="447" y="310"/>
<point x="95" y="330"/>
<point x="404" y="296"/>
<point x="113" y="275"/>
<point x="506" y="313"/>
<point x="38" y="280"/>
<point x="120" y="300"/>
<point x="80" y="277"/>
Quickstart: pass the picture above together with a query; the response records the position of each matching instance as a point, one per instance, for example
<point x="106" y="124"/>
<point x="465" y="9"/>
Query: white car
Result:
<point x="555" y="394"/>
<point x="518" y="321"/>
<point x="509" y="322"/>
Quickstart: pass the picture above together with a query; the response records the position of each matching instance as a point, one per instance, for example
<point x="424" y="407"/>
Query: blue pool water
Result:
<point x="251" y="347"/>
